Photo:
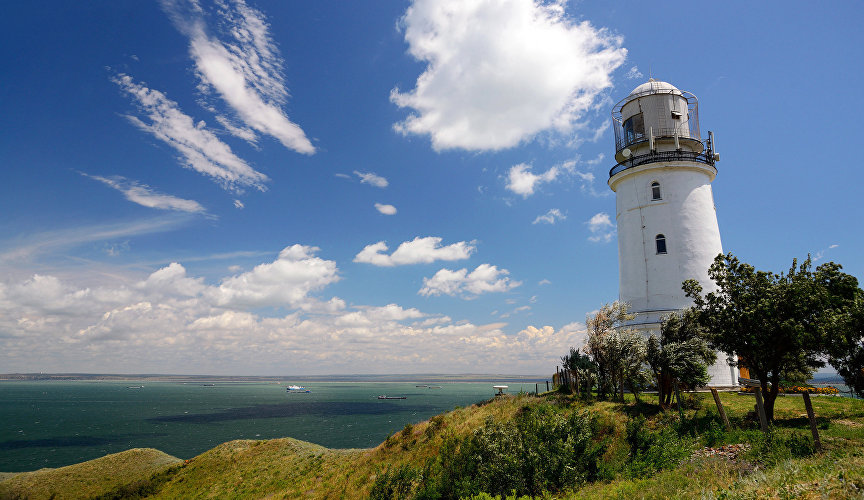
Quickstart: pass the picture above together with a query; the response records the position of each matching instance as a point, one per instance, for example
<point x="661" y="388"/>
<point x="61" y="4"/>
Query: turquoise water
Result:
<point x="57" y="423"/>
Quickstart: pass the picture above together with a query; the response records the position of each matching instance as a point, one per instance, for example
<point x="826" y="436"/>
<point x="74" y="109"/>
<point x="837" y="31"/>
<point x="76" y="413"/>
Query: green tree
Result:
<point x="582" y="367"/>
<point x="617" y="351"/>
<point x="681" y="355"/>
<point x="776" y="323"/>
<point x="845" y="344"/>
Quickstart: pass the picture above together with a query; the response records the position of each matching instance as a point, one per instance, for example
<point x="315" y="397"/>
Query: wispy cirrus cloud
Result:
<point x="143" y="195"/>
<point x="486" y="278"/>
<point x="237" y="58"/>
<point x="501" y="71"/>
<point x="34" y="245"/>
<point x="372" y="179"/>
<point x="200" y="149"/>
<point x="417" y="251"/>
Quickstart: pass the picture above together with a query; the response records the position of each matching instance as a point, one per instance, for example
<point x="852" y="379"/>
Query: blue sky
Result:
<point x="383" y="187"/>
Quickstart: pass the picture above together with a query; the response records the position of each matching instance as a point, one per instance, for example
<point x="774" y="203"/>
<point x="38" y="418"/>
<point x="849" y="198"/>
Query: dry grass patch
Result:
<point x="89" y="479"/>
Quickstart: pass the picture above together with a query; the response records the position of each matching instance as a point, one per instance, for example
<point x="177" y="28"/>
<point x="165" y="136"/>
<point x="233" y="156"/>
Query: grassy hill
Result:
<point x="550" y="443"/>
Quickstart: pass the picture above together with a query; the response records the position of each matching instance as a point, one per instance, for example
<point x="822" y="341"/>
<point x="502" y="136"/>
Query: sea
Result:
<point x="62" y="422"/>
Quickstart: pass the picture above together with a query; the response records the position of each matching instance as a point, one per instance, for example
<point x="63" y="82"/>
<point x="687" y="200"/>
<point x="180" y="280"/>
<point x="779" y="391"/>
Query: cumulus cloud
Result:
<point x="634" y="73"/>
<point x="237" y="58"/>
<point x="501" y="71"/>
<point x="385" y="209"/>
<point x="550" y="217"/>
<point x="143" y="195"/>
<point x="284" y="282"/>
<point x="172" y="322"/>
<point x="601" y="227"/>
<point x="199" y="148"/>
<point x="371" y="179"/>
<point x="485" y="278"/>
<point x="522" y="181"/>
<point x="417" y="251"/>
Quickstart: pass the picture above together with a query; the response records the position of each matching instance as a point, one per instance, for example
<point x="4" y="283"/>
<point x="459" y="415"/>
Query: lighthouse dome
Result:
<point x="654" y="87"/>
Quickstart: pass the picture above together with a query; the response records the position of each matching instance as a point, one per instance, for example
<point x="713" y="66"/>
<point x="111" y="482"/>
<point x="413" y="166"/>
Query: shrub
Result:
<point x="395" y="483"/>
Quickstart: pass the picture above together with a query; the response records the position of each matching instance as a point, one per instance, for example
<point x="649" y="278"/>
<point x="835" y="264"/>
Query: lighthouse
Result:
<point x="666" y="219"/>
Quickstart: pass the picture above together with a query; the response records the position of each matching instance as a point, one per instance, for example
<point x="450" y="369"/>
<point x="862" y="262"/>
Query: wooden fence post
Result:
<point x="547" y="386"/>
<point x="812" y="417"/>
<point x="760" y="408"/>
<point x="720" y="408"/>
<point x="536" y="389"/>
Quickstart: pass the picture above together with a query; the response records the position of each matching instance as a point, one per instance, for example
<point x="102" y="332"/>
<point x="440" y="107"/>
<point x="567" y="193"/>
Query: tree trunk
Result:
<point x="771" y="397"/>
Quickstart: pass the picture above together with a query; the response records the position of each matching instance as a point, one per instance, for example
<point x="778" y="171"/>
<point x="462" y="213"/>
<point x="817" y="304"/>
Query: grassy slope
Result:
<point x="287" y="468"/>
<point x="89" y="479"/>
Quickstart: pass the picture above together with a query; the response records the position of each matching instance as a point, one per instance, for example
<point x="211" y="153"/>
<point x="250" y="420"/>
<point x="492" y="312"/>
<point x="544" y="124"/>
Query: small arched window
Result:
<point x="655" y="191"/>
<point x="660" y="241"/>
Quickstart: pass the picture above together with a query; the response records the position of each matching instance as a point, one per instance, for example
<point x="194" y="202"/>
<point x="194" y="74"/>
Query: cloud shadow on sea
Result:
<point x="293" y="409"/>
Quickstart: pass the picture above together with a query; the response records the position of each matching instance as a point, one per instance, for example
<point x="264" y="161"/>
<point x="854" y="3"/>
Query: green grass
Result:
<point x="128" y="469"/>
<point x="635" y="460"/>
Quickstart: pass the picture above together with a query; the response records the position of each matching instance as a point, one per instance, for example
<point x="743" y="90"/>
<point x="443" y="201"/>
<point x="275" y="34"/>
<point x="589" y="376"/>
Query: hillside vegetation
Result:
<point x="550" y="446"/>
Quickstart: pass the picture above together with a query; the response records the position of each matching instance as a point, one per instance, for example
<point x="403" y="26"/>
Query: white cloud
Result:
<point x="169" y="322"/>
<point x="284" y="282"/>
<point x="242" y="64"/>
<point x="385" y="209"/>
<point x="601" y="227"/>
<point x="501" y="71"/>
<point x="371" y="179"/>
<point x="634" y="73"/>
<point x="201" y="150"/>
<point x="515" y="311"/>
<point x="522" y="181"/>
<point x="833" y="246"/>
<point x="239" y="204"/>
<point x="417" y="251"/>
<point x="485" y="278"/>
<point x="550" y="217"/>
<point x="29" y="246"/>
<point x="544" y="281"/>
<point x="143" y="195"/>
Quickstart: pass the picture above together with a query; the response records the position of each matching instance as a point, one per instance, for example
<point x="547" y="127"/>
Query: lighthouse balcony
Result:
<point x="706" y="157"/>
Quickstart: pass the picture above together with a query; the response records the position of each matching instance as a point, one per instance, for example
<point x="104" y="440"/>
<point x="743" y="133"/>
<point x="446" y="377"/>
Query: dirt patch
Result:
<point x="848" y="423"/>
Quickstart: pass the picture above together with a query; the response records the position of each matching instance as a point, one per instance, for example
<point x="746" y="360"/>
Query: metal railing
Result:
<point x="707" y="158"/>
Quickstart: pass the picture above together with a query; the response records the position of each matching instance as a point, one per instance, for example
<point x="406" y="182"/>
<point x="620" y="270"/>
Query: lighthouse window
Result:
<point x="655" y="191"/>
<point x="661" y="243"/>
<point x="634" y="128"/>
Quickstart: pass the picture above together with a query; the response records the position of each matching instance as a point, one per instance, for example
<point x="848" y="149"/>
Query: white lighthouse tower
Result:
<point x="667" y="223"/>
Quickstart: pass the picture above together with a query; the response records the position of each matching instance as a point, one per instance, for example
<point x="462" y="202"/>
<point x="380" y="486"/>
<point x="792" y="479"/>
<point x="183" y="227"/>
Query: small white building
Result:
<point x="667" y="222"/>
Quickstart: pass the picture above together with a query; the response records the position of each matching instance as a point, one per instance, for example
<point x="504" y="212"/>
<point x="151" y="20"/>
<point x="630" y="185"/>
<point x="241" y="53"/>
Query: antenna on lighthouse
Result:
<point x="714" y="152"/>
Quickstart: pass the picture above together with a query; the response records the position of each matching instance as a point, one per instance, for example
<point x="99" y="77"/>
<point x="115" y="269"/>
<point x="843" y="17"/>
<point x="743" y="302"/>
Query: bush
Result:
<point x="773" y="447"/>
<point x="651" y="452"/>
<point x="539" y="450"/>
<point x="395" y="484"/>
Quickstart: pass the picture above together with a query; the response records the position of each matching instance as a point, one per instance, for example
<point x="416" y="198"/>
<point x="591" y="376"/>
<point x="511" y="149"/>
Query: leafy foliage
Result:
<point x="845" y="344"/>
<point x="680" y="355"/>
<point x="617" y="351"/>
<point x="776" y="323"/>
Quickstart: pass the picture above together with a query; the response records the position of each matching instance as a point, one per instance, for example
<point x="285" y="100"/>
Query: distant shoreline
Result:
<point x="421" y="377"/>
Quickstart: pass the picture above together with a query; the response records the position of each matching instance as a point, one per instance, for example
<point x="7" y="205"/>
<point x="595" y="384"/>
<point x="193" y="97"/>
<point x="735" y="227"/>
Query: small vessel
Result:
<point x="392" y="397"/>
<point x="421" y="386"/>
<point x="135" y="387"/>
<point x="296" y="389"/>
<point x="434" y="387"/>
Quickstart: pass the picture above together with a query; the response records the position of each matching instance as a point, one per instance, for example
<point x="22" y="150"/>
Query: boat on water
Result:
<point x="135" y="387"/>
<point x="434" y="387"/>
<point x="296" y="389"/>
<point x="392" y="397"/>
